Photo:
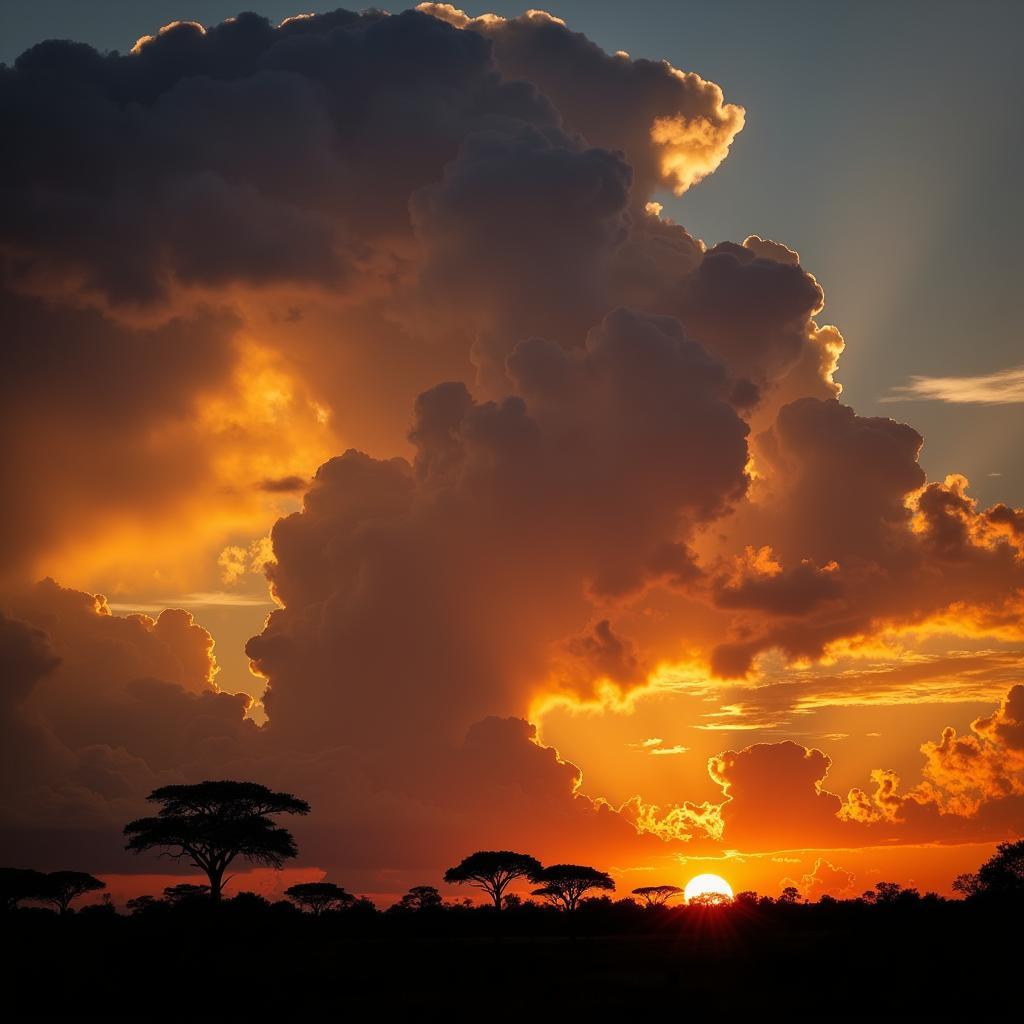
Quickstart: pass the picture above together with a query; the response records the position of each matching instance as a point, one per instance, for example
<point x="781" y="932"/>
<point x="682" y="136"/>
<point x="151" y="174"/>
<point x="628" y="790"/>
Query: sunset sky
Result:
<point x="598" y="434"/>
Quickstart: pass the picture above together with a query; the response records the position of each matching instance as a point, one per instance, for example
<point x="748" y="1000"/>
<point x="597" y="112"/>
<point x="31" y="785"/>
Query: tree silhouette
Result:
<point x="319" y="896"/>
<point x="657" y="895"/>
<point x="61" y="887"/>
<point x="145" y="904"/>
<point x="709" y="899"/>
<point x="421" y="897"/>
<point x="185" y="891"/>
<point x="790" y="895"/>
<point x="17" y="884"/>
<point x="212" y="823"/>
<point x="1001" y="875"/>
<point x="492" y="870"/>
<point x="565" y="884"/>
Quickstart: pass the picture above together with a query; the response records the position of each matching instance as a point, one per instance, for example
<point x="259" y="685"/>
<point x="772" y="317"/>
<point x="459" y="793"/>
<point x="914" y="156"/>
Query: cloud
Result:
<point x="824" y="879"/>
<point x="673" y="126"/>
<point x="478" y="531"/>
<point x="1004" y="387"/>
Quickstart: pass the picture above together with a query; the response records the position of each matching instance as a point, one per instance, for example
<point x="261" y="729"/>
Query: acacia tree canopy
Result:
<point x="319" y="896"/>
<point x="211" y="823"/>
<point x="565" y="884"/>
<point x="657" y="895"/>
<point x="492" y="870"/>
<point x="61" y="887"/>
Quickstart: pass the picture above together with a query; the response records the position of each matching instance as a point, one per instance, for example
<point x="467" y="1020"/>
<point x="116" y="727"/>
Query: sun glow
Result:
<point x="707" y="885"/>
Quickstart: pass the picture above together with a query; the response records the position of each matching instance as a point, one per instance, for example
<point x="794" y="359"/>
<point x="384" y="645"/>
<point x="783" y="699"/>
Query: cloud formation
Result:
<point x="1004" y="387"/>
<point x="580" y="449"/>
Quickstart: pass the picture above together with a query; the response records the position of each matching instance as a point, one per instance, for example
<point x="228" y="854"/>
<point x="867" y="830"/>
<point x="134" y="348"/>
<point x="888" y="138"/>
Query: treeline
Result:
<point x="210" y="824"/>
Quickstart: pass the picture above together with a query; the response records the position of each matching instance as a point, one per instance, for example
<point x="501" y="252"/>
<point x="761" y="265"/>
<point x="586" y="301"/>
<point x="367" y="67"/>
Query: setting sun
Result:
<point x="707" y="885"/>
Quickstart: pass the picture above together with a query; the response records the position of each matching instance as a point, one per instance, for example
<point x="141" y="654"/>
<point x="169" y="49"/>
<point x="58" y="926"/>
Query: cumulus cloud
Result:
<point x="464" y="553"/>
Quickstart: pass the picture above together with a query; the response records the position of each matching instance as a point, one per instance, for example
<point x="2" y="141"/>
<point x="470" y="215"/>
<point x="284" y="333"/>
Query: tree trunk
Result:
<point x="216" y="883"/>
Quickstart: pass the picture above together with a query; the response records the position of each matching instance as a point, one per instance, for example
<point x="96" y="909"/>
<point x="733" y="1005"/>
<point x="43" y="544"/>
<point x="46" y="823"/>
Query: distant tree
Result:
<point x="887" y="892"/>
<point x="61" y="887"/>
<point x="656" y="895"/>
<point x="422" y="897"/>
<point x="17" y="884"/>
<point x="317" y="897"/>
<point x="211" y="823"/>
<point x="747" y="898"/>
<point x="513" y="901"/>
<point x="709" y="899"/>
<point x="185" y="892"/>
<point x="143" y="904"/>
<point x="789" y="895"/>
<point x="1001" y="875"/>
<point x="492" y="870"/>
<point x="564" y="884"/>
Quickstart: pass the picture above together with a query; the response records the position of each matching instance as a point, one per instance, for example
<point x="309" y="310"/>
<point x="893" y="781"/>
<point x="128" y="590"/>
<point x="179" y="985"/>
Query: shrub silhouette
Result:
<point x="211" y="823"/>
<point x="492" y="870"/>
<point x="565" y="884"/>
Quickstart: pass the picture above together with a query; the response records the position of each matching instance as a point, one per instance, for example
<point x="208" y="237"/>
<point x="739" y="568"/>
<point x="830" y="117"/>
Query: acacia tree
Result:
<point x="211" y="823"/>
<point x="657" y="895"/>
<point x="319" y="896"/>
<point x="61" y="887"/>
<point x="492" y="870"/>
<point x="565" y="884"/>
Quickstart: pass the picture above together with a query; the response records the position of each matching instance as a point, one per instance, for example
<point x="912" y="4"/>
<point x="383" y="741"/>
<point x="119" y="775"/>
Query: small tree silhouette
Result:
<point x="212" y="823"/>
<point x="789" y="896"/>
<point x="492" y="870"/>
<point x="421" y="897"/>
<point x="319" y="896"/>
<point x="184" y="892"/>
<point x="61" y="887"/>
<point x="565" y="884"/>
<point x="657" y="895"/>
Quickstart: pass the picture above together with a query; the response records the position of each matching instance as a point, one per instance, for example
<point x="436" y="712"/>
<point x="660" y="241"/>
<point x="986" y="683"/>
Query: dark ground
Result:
<point x="253" y="960"/>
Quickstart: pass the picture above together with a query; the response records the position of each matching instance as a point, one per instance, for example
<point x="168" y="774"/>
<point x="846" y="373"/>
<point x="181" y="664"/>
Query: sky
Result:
<point x="494" y="434"/>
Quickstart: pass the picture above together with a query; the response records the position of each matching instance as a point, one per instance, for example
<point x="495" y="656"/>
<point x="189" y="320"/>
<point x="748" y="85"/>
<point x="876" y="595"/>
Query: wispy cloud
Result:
<point x="200" y="600"/>
<point x="1005" y="387"/>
